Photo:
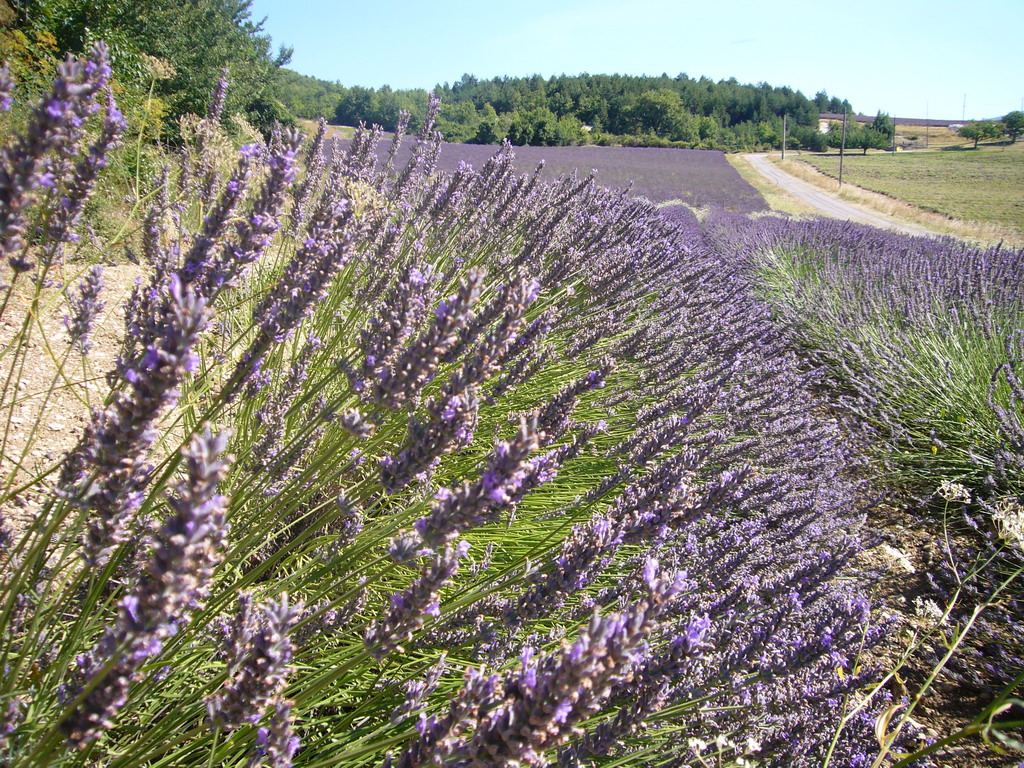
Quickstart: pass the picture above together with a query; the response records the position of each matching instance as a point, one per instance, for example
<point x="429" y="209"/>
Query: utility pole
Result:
<point x="842" y="149"/>
<point x="963" y="115"/>
<point x="783" y="136"/>
<point x="927" y="125"/>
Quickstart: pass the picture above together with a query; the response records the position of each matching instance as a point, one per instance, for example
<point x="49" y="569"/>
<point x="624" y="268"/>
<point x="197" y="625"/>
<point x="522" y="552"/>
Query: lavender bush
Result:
<point x="918" y="343"/>
<point x="921" y="336"/>
<point x="409" y="467"/>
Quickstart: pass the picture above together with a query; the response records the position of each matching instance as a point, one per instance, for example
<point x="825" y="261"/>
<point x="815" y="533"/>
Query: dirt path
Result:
<point x="825" y="202"/>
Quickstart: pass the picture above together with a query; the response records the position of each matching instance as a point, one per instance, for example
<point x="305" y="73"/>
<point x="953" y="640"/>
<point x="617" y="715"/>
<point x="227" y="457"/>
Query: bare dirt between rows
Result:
<point x="907" y="549"/>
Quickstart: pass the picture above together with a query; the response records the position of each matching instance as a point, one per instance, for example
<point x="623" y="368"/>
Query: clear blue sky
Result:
<point x="898" y="57"/>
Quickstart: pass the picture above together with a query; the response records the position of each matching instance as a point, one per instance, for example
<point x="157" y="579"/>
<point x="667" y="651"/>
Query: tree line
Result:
<point x="577" y="109"/>
<point x="1011" y="125"/>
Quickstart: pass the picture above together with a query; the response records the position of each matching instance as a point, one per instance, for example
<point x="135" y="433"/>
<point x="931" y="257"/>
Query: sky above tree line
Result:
<point x="911" y="59"/>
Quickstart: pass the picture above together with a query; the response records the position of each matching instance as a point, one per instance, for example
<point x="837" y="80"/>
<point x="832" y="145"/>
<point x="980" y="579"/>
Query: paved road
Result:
<point x="824" y="201"/>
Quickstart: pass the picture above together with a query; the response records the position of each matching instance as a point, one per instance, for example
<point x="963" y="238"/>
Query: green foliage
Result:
<point x="1014" y="124"/>
<point x="308" y="98"/>
<point x="808" y="137"/>
<point x="870" y="138"/>
<point x="981" y="129"/>
<point x="620" y="109"/>
<point x="192" y="41"/>
<point x="833" y="104"/>
<point x="939" y="389"/>
<point x="884" y="125"/>
<point x="662" y="113"/>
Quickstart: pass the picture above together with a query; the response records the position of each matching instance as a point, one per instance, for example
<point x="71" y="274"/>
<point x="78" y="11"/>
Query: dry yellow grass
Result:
<point x="777" y="198"/>
<point x="333" y="131"/>
<point x="937" y="136"/>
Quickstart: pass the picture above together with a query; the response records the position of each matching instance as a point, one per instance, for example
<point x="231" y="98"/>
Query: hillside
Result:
<point x="563" y="110"/>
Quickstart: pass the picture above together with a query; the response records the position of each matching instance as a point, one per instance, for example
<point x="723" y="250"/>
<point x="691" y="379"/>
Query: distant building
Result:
<point x="824" y="118"/>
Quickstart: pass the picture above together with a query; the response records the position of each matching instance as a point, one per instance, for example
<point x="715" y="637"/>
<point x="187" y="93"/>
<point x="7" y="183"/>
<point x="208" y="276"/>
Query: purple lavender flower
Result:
<point x="417" y="364"/>
<point x="276" y="743"/>
<point x="255" y="231"/>
<point x="306" y="279"/>
<point x="68" y="211"/>
<point x="449" y="425"/>
<point x="216" y="106"/>
<point x="418" y="690"/>
<point x="316" y="164"/>
<point x="200" y="257"/>
<point x="6" y="87"/>
<point x="176" y="581"/>
<point x="470" y="505"/>
<point x="55" y="125"/>
<point x="259" y="651"/>
<point x="85" y="307"/>
<point x="540" y="704"/>
<point x="383" y="337"/>
<point x="107" y="470"/>
<point x="410" y="608"/>
<point x="13" y="712"/>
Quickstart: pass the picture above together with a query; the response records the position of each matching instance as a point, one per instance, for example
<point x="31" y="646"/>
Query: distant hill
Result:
<point x="629" y="110"/>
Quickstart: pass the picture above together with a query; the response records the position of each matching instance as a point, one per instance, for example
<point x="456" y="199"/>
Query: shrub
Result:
<point x="411" y="467"/>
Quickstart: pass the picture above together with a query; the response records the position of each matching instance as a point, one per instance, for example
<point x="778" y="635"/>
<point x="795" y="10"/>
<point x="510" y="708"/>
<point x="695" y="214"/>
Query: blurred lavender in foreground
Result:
<point x="85" y="306"/>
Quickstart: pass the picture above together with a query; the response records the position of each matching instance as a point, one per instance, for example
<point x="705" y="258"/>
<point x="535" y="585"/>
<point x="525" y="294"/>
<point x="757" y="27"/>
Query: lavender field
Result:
<point x="400" y="462"/>
<point x="698" y="178"/>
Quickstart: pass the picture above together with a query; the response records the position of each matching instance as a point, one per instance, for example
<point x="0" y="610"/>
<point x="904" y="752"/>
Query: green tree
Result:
<point x="458" y="122"/>
<point x="1014" y="122"/>
<point x="981" y="129"/>
<point x="196" y="38"/>
<point x="660" y="112"/>
<point x="884" y="125"/>
<point x="356" y="104"/>
<point x="768" y="134"/>
<point x="871" y="138"/>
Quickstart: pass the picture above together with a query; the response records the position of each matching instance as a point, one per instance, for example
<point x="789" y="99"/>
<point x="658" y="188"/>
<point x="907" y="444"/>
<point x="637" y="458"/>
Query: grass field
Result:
<point x="935" y="136"/>
<point x="985" y="185"/>
<point x="333" y="131"/>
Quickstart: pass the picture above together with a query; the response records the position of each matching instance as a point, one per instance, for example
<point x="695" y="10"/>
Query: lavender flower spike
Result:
<point x="216" y="106"/>
<point x="55" y="125"/>
<point x="276" y="743"/>
<point x="257" y="229"/>
<point x="79" y="189"/>
<point x="259" y="649"/>
<point x="417" y="364"/>
<point x="176" y="581"/>
<point x="549" y="696"/>
<point x="475" y="504"/>
<point x="410" y="608"/>
<point x="107" y="469"/>
<point x="6" y="86"/>
<point x="85" y="306"/>
<point x="520" y="717"/>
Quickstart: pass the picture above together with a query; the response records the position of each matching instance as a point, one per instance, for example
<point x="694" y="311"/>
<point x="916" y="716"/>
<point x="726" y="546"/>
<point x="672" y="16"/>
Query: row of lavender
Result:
<point x="412" y="468"/>
<point x="918" y="343"/>
<point x="923" y="340"/>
